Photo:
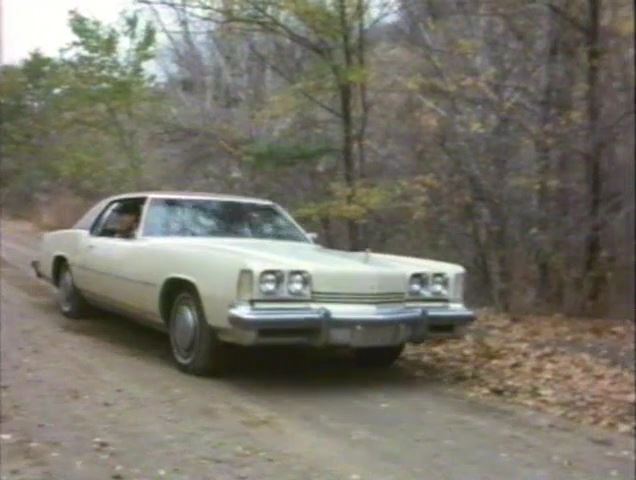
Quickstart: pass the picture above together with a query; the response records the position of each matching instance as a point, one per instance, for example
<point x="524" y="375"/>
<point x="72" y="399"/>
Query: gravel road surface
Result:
<point x="100" y="399"/>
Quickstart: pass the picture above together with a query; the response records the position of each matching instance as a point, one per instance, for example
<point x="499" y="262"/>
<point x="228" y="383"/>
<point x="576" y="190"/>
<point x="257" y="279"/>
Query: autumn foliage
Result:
<point x="579" y="369"/>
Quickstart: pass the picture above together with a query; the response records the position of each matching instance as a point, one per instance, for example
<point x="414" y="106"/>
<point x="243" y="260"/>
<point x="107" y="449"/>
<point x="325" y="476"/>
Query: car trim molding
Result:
<point x="114" y="275"/>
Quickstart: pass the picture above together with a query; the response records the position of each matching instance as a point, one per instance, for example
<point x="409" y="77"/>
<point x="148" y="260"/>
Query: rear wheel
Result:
<point x="195" y="346"/>
<point x="377" y="357"/>
<point x="70" y="300"/>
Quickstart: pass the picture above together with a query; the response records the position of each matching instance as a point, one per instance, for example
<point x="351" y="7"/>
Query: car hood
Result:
<point x="332" y="270"/>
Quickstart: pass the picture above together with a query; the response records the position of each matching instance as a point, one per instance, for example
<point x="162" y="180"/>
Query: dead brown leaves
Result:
<point x="579" y="369"/>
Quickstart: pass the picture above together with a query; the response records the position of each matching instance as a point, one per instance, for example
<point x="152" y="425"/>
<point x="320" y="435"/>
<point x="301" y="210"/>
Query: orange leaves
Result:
<point x="578" y="369"/>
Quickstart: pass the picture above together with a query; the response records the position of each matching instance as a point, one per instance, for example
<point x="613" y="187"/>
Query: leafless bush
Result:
<point x="58" y="210"/>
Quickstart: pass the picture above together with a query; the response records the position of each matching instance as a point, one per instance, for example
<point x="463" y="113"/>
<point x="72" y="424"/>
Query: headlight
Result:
<point x="270" y="282"/>
<point x="418" y="283"/>
<point x="424" y="285"/>
<point x="439" y="285"/>
<point x="298" y="283"/>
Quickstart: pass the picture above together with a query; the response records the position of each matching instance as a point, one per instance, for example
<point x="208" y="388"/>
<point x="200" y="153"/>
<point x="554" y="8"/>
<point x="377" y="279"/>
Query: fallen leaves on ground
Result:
<point x="580" y="369"/>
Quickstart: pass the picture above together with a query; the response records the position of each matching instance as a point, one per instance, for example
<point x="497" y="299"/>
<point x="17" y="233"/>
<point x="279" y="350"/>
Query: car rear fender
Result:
<point x="58" y="245"/>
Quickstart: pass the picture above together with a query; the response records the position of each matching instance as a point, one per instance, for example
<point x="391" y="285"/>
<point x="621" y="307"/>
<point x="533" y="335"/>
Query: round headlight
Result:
<point x="439" y="285"/>
<point x="417" y="284"/>
<point x="269" y="282"/>
<point x="298" y="283"/>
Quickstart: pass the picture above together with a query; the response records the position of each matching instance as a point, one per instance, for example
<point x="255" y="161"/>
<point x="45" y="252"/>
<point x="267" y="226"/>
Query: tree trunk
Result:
<point x="593" y="276"/>
<point x="364" y="108"/>
<point x="347" y="159"/>
<point x="544" y="290"/>
<point x="327" y="233"/>
<point x="346" y="111"/>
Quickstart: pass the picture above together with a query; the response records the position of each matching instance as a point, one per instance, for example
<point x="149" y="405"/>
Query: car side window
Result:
<point x="120" y="219"/>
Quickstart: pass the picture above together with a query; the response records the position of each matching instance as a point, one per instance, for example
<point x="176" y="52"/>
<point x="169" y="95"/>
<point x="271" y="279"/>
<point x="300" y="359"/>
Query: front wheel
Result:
<point x="377" y="357"/>
<point x="69" y="298"/>
<point x="196" y="348"/>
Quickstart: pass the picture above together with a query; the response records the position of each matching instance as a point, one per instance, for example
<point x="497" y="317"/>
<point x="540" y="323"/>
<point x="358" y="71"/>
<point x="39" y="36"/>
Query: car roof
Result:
<point x="190" y="195"/>
<point x="85" y="222"/>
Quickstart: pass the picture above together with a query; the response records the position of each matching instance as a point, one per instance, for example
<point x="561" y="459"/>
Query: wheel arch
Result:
<point x="59" y="260"/>
<point x="169" y="290"/>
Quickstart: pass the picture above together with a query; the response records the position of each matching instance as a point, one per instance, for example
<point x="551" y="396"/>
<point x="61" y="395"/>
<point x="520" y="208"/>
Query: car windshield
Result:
<point x="177" y="217"/>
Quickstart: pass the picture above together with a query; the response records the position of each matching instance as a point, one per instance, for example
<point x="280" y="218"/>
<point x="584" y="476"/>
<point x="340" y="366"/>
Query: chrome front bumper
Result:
<point x="325" y="326"/>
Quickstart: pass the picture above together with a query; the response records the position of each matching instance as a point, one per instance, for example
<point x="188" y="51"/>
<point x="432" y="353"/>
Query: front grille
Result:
<point x="369" y="298"/>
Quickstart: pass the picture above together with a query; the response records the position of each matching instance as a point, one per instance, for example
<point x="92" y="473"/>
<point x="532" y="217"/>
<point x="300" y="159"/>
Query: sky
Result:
<point x="42" y="24"/>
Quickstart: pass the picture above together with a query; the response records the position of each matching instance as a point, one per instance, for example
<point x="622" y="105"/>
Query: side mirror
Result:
<point x="313" y="236"/>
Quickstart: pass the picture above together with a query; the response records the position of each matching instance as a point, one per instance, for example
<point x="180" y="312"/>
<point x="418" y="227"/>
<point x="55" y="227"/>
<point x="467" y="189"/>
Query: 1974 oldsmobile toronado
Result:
<point x="212" y="270"/>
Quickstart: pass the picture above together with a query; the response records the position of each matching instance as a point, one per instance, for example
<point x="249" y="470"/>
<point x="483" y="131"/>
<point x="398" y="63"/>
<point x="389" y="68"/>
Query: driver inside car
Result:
<point x="128" y="223"/>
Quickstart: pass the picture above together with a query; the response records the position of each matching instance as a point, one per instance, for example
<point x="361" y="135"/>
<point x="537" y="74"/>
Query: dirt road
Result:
<point x="100" y="399"/>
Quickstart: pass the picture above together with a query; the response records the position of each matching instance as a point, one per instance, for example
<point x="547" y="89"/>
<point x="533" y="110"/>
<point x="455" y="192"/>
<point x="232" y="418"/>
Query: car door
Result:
<point x="88" y="277"/>
<point x="109" y="257"/>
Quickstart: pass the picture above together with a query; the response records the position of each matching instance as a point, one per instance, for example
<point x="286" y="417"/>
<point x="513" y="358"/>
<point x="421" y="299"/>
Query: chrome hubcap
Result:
<point x="184" y="329"/>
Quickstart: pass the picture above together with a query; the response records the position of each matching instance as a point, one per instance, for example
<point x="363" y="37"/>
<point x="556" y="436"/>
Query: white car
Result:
<point x="213" y="269"/>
